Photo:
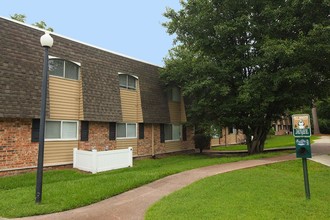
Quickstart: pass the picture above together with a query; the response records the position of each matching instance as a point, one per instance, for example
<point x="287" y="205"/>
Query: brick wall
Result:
<point x="144" y="146"/>
<point x="98" y="137"/>
<point x="231" y="138"/>
<point x="189" y="143"/>
<point x="16" y="148"/>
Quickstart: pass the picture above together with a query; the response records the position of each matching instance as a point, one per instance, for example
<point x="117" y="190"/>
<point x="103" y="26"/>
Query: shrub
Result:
<point x="324" y="125"/>
<point x="202" y="141"/>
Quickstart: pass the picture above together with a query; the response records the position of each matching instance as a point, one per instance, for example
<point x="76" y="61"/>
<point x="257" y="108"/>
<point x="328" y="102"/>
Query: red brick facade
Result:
<point x="98" y="137"/>
<point x="18" y="152"/>
<point x="16" y="148"/>
<point x="144" y="146"/>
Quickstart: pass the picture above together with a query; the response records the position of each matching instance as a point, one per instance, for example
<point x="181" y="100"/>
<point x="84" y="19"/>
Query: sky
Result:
<point x="129" y="27"/>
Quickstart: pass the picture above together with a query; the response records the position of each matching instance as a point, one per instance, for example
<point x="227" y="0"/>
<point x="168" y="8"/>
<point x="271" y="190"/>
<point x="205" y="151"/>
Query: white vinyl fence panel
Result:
<point x="98" y="161"/>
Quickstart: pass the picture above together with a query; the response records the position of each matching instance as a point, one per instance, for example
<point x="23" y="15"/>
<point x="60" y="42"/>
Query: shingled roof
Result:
<point x="21" y="71"/>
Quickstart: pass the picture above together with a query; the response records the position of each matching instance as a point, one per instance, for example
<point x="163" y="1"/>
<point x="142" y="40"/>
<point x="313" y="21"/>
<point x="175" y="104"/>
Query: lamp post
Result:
<point x="46" y="42"/>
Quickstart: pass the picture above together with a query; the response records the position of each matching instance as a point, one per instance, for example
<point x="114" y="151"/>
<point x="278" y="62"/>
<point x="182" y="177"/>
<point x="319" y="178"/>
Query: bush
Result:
<point x="324" y="125"/>
<point x="202" y="141"/>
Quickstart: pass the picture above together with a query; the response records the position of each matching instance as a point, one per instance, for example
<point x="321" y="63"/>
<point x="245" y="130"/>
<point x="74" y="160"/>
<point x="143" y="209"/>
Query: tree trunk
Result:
<point x="315" y="120"/>
<point x="256" y="143"/>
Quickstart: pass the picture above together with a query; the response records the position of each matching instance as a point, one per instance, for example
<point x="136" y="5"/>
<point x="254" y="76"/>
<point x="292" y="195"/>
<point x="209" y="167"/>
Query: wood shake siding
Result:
<point x="65" y="99"/>
<point x="21" y="74"/>
<point x="96" y="98"/>
<point x="125" y="143"/>
<point x="59" y="152"/>
<point x="131" y="105"/>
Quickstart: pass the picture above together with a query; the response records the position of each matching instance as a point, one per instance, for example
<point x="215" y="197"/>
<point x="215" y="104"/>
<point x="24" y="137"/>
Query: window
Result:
<point x="126" y="130"/>
<point x="174" y="94"/>
<point x="63" y="68"/>
<point x="172" y="132"/>
<point x="61" y="130"/>
<point x="232" y="130"/>
<point x="127" y="81"/>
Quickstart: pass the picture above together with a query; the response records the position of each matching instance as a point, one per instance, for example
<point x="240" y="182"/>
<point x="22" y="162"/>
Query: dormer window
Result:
<point x="127" y="81"/>
<point x="63" y="68"/>
<point x="174" y="94"/>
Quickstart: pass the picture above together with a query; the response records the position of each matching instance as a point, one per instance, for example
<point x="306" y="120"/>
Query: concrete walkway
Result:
<point x="321" y="150"/>
<point x="134" y="203"/>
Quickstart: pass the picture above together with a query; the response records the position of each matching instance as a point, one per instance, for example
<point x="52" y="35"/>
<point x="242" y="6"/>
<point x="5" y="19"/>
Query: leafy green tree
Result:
<point x="323" y="107"/>
<point x="245" y="63"/>
<point x="40" y="24"/>
<point x="43" y="25"/>
<point x="19" y="17"/>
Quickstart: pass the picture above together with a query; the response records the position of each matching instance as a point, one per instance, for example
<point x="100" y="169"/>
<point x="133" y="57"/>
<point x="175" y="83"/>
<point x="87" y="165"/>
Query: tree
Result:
<point x="40" y="24"/>
<point x="43" y="25"/>
<point x="19" y="17"/>
<point x="245" y="63"/>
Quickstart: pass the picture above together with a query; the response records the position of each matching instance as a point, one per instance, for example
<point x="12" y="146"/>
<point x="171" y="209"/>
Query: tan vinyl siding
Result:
<point x="125" y="143"/>
<point x="65" y="99"/>
<point x="81" y="104"/>
<point x="172" y="146"/>
<point x="183" y="111"/>
<point x="57" y="152"/>
<point x="177" y="111"/>
<point x="131" y="105"/>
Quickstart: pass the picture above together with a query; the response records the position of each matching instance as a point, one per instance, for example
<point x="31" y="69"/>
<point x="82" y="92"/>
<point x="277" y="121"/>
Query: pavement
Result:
<point x="321" y="150"/>
<point x="134" y="203"/>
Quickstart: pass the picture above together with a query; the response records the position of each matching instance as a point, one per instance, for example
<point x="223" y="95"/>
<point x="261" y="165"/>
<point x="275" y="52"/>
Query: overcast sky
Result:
<point x="129" y="27"/>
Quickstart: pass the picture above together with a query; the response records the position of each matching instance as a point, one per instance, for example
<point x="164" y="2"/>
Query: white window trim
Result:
<point x="63" y="139"/>
<point x="121" y="138"/>
<point x="171" y="95"/>
<point x="59" y="58"/>
<point x="180" y="138"/>
<point x="136" y="77"/>
<point x="136" y="81"/>
<point x="63" y="77"/>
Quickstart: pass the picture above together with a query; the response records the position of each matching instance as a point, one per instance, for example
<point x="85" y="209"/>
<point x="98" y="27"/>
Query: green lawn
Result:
<point x="68" y="189"/>
<point x="271" y="142"/>
<point x="267" y="192"/>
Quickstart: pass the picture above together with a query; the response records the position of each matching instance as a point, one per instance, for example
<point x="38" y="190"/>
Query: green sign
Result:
<point x="303" y="147"/>
<point x="305" y="132"/>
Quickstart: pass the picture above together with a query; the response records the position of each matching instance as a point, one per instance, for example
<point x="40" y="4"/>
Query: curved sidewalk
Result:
<point x="134" y="203"/>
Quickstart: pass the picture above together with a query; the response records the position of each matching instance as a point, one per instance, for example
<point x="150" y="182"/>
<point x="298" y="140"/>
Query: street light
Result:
<point x="46" y="42"/>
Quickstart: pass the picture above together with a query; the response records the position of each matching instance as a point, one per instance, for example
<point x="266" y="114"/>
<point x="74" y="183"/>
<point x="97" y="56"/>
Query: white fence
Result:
<point x="98" y="161"/>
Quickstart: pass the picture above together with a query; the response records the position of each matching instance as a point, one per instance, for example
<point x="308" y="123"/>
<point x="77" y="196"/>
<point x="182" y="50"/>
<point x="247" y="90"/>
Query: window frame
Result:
<point x="64" y="73"/>
<point x="126" y="123"/>
<point x="127" y="86"/>
<point x="172" y="132"/>
<point x="171" y="94"/>
<point x="61" y="131"/>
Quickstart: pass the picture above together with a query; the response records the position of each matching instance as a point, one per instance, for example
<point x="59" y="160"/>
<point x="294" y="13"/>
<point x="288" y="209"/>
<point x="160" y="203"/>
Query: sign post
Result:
<point x="302" y="132"/>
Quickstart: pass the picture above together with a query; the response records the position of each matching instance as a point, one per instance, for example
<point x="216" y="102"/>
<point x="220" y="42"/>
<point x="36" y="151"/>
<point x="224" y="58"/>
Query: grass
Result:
<point x="273" y="191"/>
<point x="68" y="189"/>
<point x="271" y="142"/>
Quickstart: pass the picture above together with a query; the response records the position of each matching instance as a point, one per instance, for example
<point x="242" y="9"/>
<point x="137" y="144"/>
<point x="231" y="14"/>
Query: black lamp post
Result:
<point x="47" y="42"/>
